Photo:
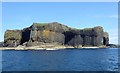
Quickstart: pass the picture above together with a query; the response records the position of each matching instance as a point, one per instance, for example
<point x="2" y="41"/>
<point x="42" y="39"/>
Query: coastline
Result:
<point x="48" y="48"/>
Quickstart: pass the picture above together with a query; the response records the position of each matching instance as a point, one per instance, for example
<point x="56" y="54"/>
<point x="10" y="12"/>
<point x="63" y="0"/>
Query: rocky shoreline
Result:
<point x="47" y="48"/>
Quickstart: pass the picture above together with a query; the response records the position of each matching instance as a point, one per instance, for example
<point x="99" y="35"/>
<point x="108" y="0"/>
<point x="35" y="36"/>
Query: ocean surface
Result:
<point x="61" y="60"/>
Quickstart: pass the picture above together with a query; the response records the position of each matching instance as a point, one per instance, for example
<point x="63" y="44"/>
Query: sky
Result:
<point x="18" y="15"/>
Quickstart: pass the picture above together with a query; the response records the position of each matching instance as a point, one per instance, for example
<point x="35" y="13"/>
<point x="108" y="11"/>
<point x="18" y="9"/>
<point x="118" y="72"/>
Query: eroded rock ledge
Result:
<point x="53" y="34"/>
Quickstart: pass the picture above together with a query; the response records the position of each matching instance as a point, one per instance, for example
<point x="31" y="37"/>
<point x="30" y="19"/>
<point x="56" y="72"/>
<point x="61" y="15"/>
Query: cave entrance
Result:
<point x="68" y="36"/>
<point x="104" y="41"/>
<point x="25" y="36"/>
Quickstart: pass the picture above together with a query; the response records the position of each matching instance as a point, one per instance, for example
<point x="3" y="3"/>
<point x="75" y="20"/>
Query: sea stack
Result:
<point x="56" y="33"/>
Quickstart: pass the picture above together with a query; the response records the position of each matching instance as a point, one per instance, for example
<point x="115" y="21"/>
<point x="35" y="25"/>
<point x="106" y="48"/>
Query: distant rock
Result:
<point x="1" y="44"/>
<point x="113" y="46"/>
<point x="42" y="33"/>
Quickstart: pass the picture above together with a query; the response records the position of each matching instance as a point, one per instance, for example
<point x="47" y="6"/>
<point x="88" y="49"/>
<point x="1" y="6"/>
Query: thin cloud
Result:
<point x="113" y="16"/>
<point x="113" y="30"/>
<point x="26" y="18"/>
<point x="114" y="40"/>
<point x="104" y="16"/>
<point x="113" y="36"/>
<point x="1" y="37"/>
<point x="0" y="28"/>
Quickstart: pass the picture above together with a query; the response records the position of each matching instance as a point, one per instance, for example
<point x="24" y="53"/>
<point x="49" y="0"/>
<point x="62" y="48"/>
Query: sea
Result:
<point x="61" y="60"/>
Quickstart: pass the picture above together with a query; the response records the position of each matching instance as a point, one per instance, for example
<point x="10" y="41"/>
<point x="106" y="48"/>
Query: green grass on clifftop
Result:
<point x="87" y="29"/>
<point x="9" y="34"/>
<point x="39" y="24"/>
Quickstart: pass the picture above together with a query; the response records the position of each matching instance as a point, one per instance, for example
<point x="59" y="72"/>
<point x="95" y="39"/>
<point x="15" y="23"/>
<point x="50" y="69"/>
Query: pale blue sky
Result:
<point x="18" y="15"/>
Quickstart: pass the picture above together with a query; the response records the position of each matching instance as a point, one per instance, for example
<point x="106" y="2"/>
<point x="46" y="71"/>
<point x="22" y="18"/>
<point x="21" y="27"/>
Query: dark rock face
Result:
<point x="48" y="33"/>
<point x="56" y="33"/>
<point x="105" y="38"/>
<point x="25" y="35"/>
<point x="98" y="31"/>
<point x="68" y="36"/>
<point x="113" y="46"/>
<point x="46" y="36"/>
<point x="90" y="36"/>
<point x="76" y="41"/>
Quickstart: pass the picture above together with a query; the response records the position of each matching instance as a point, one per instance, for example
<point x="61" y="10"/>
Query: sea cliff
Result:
<point x="50" y="35"/>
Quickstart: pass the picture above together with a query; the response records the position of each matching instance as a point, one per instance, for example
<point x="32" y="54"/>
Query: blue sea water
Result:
<point x="61" y="60"/>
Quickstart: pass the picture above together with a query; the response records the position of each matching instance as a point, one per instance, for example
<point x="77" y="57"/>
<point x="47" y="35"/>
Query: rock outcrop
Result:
<point x="56" y="33"/>
<point x="113" y="46"/>
<point x="12" y="38"/>
<point x="1" y="44"/>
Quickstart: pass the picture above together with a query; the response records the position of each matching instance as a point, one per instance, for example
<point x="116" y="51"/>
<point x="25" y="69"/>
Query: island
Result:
<point x="53" y="36"/>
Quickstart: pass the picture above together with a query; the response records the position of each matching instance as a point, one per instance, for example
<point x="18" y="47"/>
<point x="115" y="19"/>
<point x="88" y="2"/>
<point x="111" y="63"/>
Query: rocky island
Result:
<point x="40" y="36"/>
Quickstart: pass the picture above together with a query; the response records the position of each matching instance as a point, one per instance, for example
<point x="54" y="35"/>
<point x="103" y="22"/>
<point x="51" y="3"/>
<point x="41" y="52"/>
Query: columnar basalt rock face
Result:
<point x="76" y="41"/>
<point x="99" y="35"/>
<point x="90" y="36"/>
<point x="56" y="33"/>
<point x="48" y="32"/>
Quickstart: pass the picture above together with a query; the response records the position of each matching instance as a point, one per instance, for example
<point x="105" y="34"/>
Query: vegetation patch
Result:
<point x="87" y="29"/>
<point x="39" y="24"/>
<point x="46" y="33"/>
<point x="12" y="34"/>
